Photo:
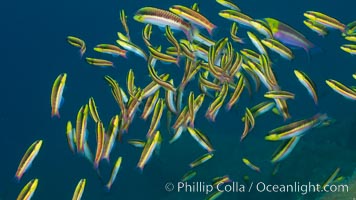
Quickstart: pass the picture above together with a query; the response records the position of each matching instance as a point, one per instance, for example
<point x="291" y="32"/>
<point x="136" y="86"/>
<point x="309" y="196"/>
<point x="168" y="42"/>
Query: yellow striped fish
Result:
<point x="57" y="92"/>
<point x="28" y="191"/>
<point x="28" y="158"/>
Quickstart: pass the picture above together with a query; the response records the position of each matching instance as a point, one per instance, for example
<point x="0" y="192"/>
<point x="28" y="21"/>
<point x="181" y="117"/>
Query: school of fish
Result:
<point x="221" y="71"/>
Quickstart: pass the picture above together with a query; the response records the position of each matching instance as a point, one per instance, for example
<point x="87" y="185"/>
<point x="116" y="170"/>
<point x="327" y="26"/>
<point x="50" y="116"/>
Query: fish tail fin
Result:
<point x="55" y="114"/>
<point x="140" y="169"/>
<point x="17" y="178"/>
<point x="191" y="124"/>
<point x="106" y="158"/>
<point x="81" y="54"/>
<point x="313" y="51"/>
<point x="177" y="61"/>
<point x="107" y="187"/>
<point x="96" y="165"/>
<point x="124" y="55"/>
<point x="228" y="107"/>
<point x="212" y="30"/>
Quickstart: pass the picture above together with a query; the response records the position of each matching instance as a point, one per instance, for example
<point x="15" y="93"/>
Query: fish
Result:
<point x="221" y="180"/>
<point x="282" y="108"/>
<point x="266" y="67"/>
<point x="195" y="7"/>
<point x="236" y="65"/>
<point x="316" y="27"/>
<point x="191" y="109"/>
<point x="146" y="34"/>
<point x="130" y="82"/>
<point x="163" y="18"/>
<point x="257" y="43"/>
<point x="57" y="94"/>
<point x="236" y="16"/>
<point x="137" y="143"/>
<point x="308" y="84"/>
<point x="349" y="48"/>
<point x="196" y="104"/>
<point x="260" y="109"/>
<point x="134" y="103"/>
<point x="150" y="104"/>
<point x="77" y="42"/>
<point x="88" y="153"/>
<point x="351" y="38"/>
<point x="201" y="139"/>
<point x="147" y="151"/>
<point x="249" y="69"/>
<point x="228" y="4"/>
<point x="187" y="50"/>
<point x="170" y="37"/>
<point x="193" y="16"/>
<point x="159" y="81"/>
<point x="81" y="128"/>
<point x="250" y="118"/>
<point x="152" y="87"/>
<point x="114" y="172"/>
<point x="279" y="48"/>
<point x="93" y="110"/>
<point x="156" y="117"/>
<point x="132" y="107"/>
<point x="202" y="39"/>
<point x="28" y="190"/>
<point x="285" y="149"/>
<point x="110" y="139"/>
<point x="70" y="133"/>
<point x="100" y="140"/>
<point x="110" y="49"/>
<point x="79" y="189"/>
<point x="279" y="94"/>
<point x="189" y="175"/>
<point x="325" y="20"/>
<point x="123" y="19"/>
<point x="28" y="158"/>
<point x="350" y="28"/>
<point x="181" y="118"/>
<point x="331" y="178"/>
<point x="259" y="74"/>
<point x="99" y="62"/>
<point x="170" y="99"/>
<point x="250" y="165"/>
<point x="236" y="94"/>
<point x="215" y="106"/>
<point x="341" y="89"/>
<point x="246" y="127"/>
<point x="297" y="128"/>
<point x="288" y="35"/>
<point x="177" y="133"/>
<point x="162" y="56"/>
<point x="233" y="31"/>
<point x="202" y="159"/>
<point x="131" y="47"/>
<point x="118" y="94"/>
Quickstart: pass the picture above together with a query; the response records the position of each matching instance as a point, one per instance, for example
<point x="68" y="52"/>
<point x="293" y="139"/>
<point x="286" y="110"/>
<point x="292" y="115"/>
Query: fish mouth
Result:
<point x="138" y="17"/>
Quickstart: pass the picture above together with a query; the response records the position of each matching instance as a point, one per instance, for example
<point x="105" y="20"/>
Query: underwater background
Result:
<point x="34" y="51"/>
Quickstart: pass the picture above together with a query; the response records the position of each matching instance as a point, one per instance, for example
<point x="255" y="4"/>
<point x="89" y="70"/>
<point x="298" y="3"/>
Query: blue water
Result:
<point x="34" y="51"/>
